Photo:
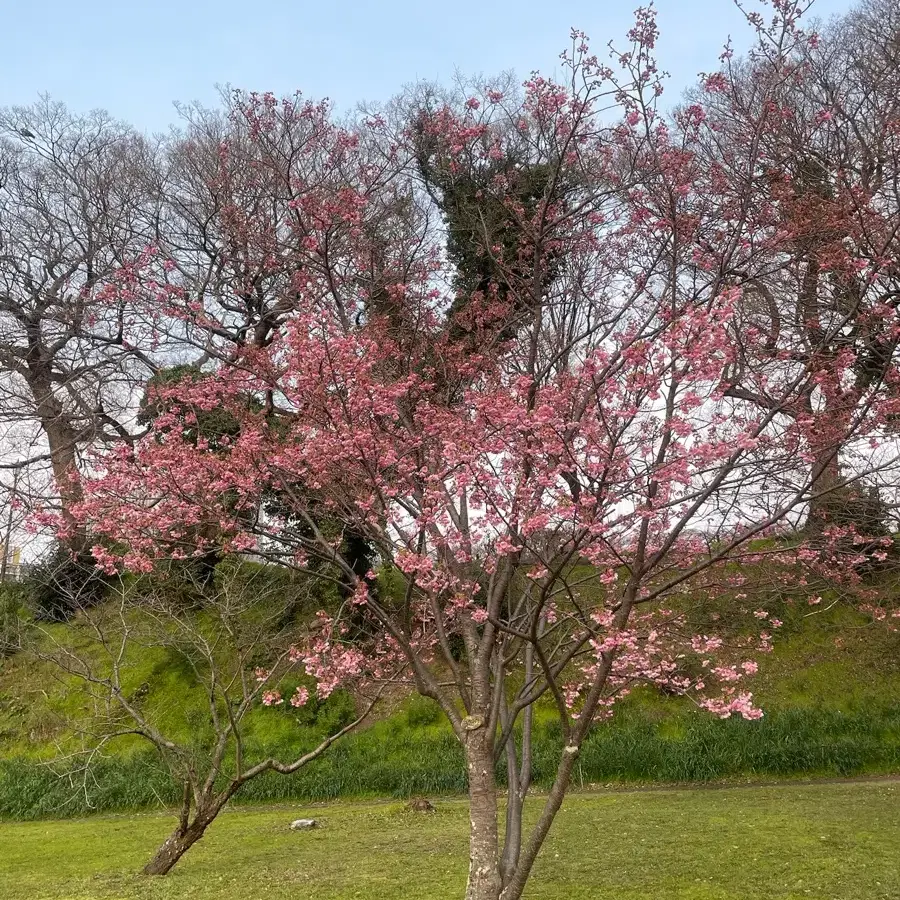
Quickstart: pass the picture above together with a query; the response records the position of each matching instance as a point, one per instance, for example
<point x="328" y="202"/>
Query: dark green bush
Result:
<point x="62" y="583"/>
<point x="862" y="513"/>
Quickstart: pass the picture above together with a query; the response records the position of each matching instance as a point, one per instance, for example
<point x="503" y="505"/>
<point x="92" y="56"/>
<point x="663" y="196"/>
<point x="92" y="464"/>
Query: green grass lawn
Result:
<point x="821" y="842"/>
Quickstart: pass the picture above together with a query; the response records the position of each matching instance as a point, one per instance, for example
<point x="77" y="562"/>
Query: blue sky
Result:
<point x="135" y="59"/>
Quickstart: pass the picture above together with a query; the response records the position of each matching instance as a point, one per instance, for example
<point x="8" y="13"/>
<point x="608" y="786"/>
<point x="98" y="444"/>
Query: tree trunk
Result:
<point x="826" y="475"/>
<point x="516" y="884"/>
<point x="512" y="843"/>
<point x="176" y="845"/>
<point x="484" y="857"/>
<point x="519" y="782"/>
<point x="62" y="443"/>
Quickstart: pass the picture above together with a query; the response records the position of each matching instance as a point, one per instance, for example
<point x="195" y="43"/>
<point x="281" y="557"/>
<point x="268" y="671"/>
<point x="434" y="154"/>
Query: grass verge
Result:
<point x="815" y="842"/>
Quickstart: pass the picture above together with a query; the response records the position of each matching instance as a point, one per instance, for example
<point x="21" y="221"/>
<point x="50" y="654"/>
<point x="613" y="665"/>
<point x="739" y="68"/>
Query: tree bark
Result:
<point x="515" y="803"/>
<point x="516" y="885"/>
<point x="826" y="476"/>
<point x="518" y="784"/>
<point x="176" y="845"/>
<point x="62" y="443"/>
<point x="484" y="858"/>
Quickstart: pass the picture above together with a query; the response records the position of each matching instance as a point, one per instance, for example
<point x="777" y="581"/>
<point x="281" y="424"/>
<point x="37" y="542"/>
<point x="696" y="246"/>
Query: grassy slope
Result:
<point x="831" y="691"/>
<point x="813" y="842"/>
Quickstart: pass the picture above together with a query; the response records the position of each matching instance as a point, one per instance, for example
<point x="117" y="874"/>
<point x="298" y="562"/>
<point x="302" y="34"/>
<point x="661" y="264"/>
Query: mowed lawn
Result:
<point x="834" y="841"/>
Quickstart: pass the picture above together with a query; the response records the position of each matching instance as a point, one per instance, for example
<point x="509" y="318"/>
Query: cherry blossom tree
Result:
<point x="546" y="457"/>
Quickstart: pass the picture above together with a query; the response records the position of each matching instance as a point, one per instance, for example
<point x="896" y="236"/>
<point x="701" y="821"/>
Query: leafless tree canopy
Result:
<point x="76" y="205"/>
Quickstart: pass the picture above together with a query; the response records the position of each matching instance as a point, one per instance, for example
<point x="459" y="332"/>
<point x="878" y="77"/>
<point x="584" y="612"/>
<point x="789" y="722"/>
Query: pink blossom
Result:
<point x="300" y="697"/>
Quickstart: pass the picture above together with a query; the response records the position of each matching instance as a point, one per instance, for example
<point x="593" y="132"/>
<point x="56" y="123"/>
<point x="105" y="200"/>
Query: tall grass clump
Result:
<point x="414" y="753"/>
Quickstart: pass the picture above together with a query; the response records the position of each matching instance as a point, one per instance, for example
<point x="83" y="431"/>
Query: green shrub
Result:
<point x="861" y="510"/>
<point x="422" y="711"/>
<point x="62" y="583"/>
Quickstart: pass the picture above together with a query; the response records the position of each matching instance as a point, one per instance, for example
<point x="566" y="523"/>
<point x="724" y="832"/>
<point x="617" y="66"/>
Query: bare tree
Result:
<point x="812" y="143"/>
<point x="236" y="639"/>
<point x="76" y="207"/>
